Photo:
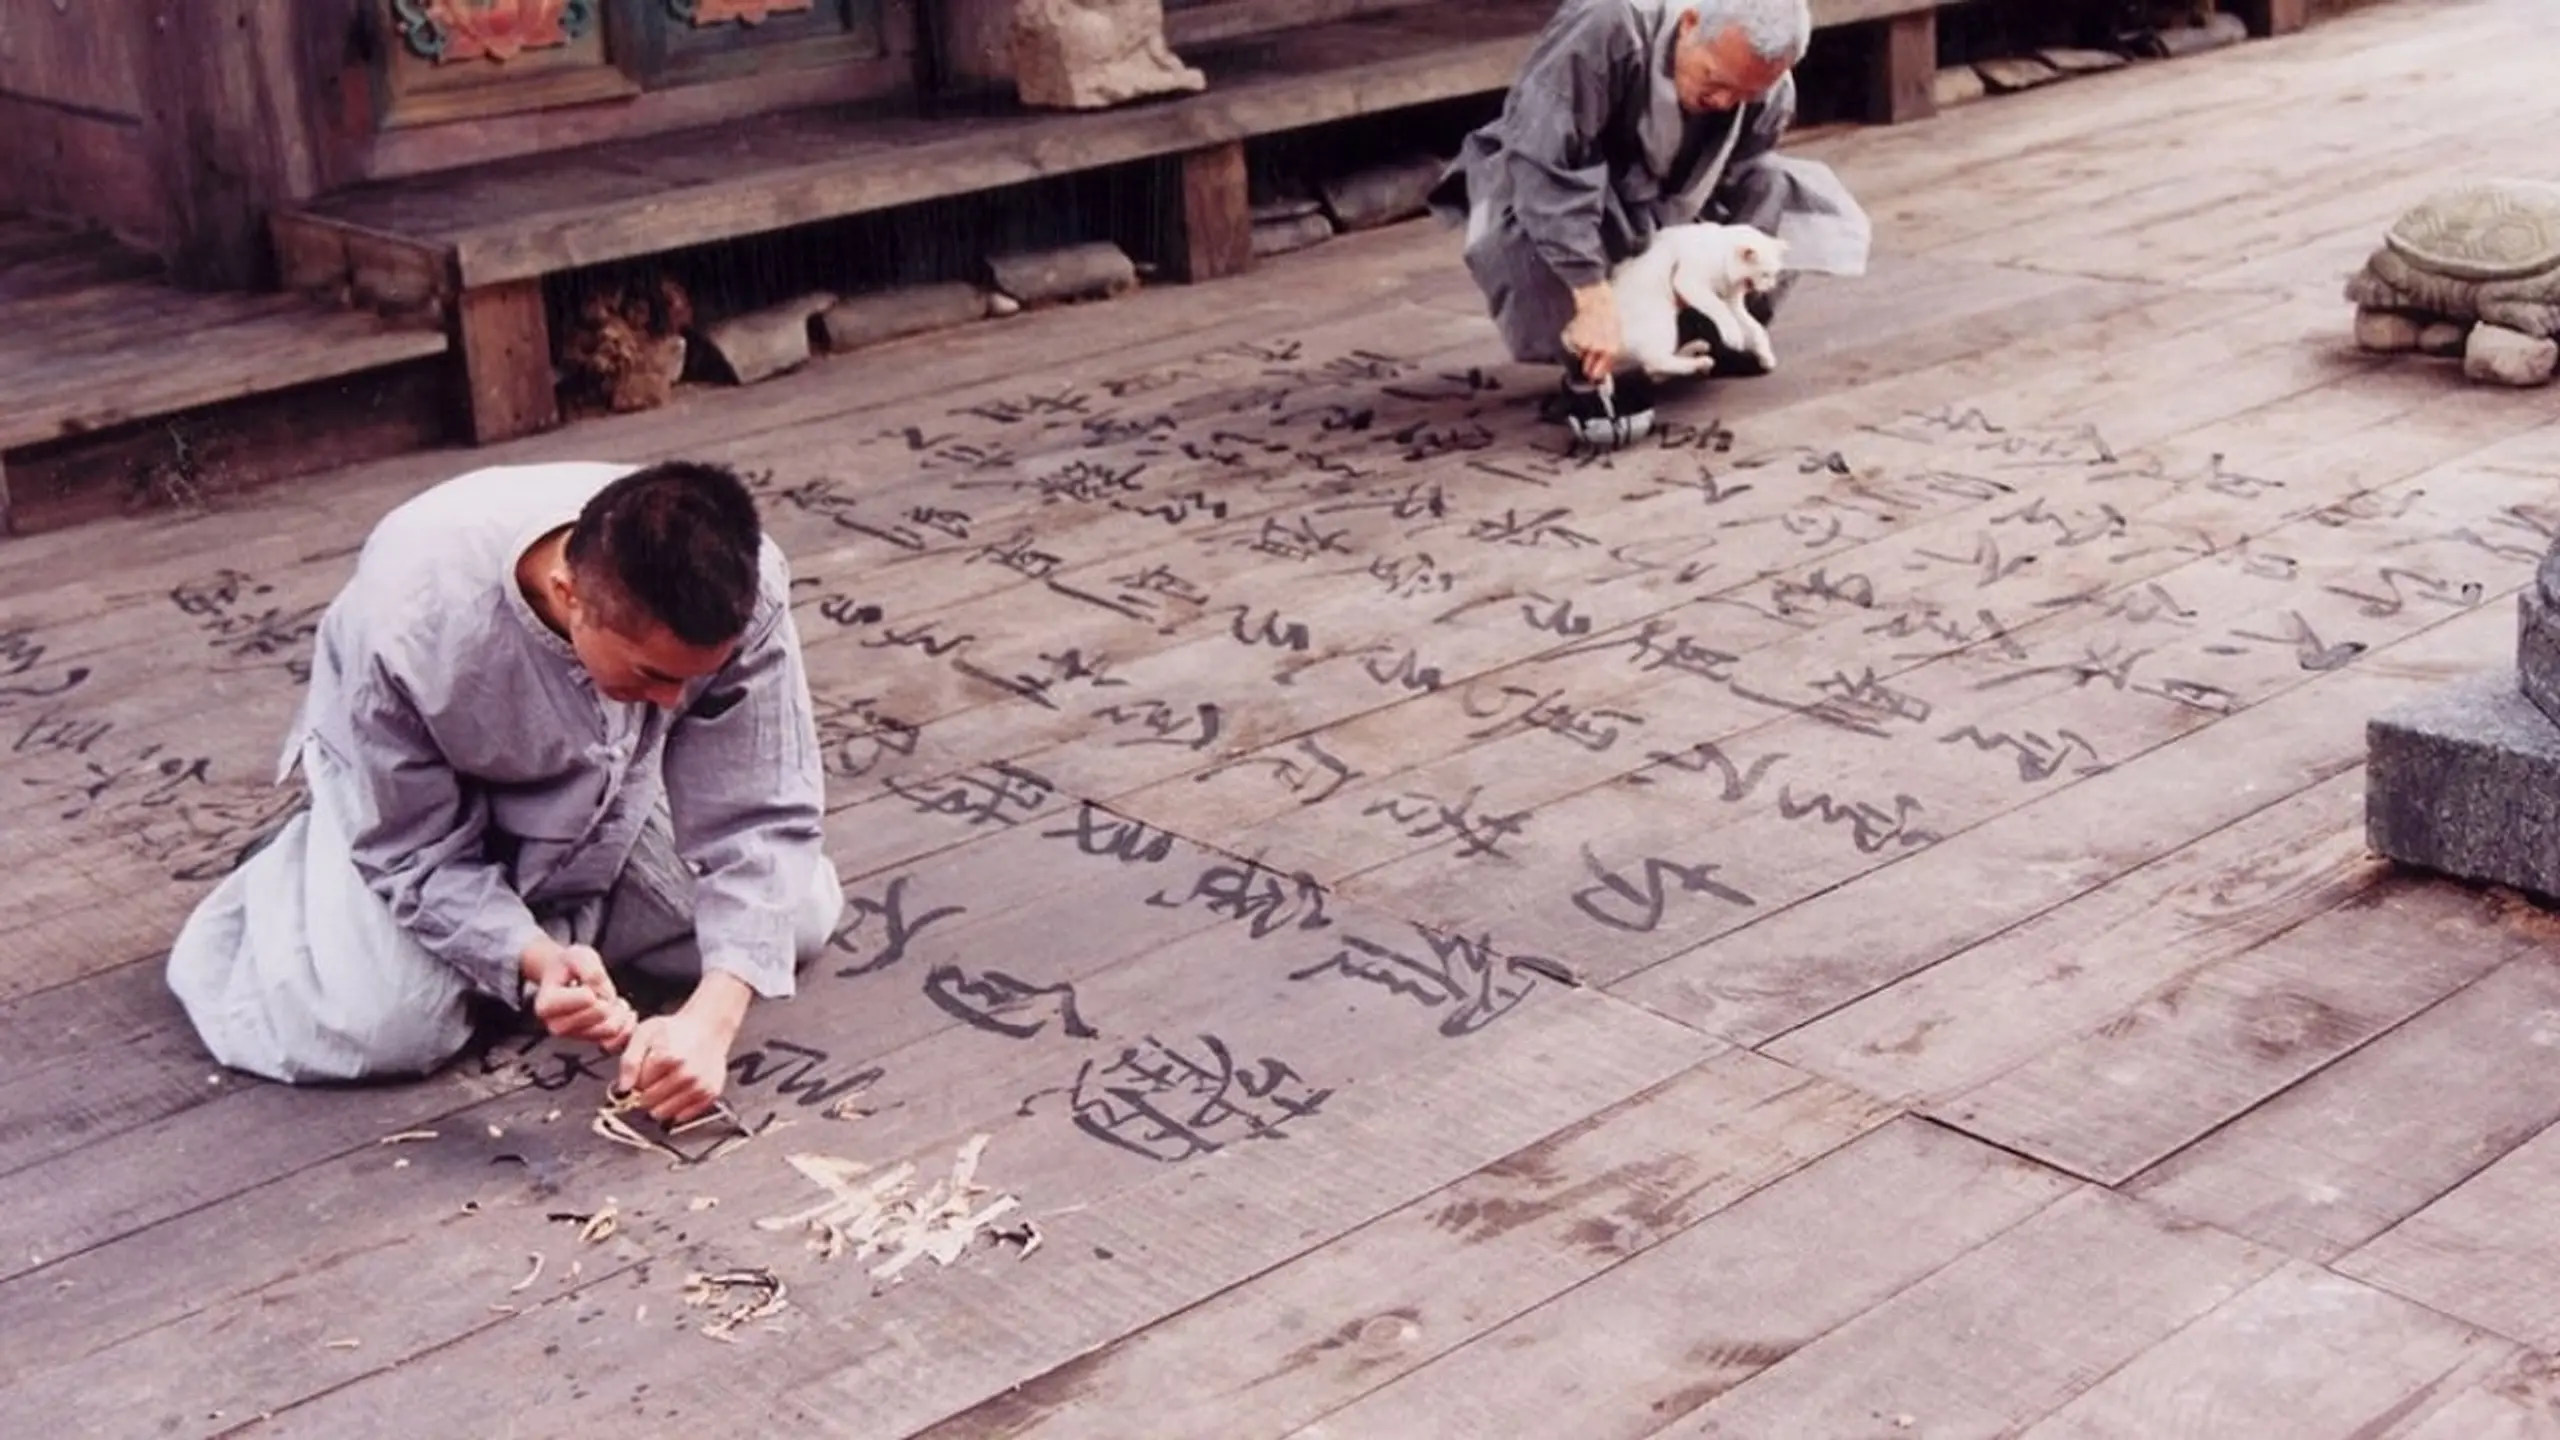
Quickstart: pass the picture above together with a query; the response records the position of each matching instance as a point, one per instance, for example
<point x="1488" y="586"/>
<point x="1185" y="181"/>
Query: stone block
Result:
<point x="2465" y="781"/>
<point x="1092" y="54"/>
<point x="2538" y="638"/>
<point x="2499" y="356"/>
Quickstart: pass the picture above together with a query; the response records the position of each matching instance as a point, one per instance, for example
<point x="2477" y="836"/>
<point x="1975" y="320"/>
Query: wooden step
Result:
<point x="90" y="347"/>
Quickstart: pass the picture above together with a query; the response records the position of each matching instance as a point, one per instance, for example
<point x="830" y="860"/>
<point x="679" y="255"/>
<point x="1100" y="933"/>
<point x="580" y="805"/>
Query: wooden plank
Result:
<point x="230" y="79"/>
<point x="2201" y="1051"/>
<point x="2368" y="1141"/>
<point x="1434" y="1277"/>
<point x="1669" y="1329"/>
<point x="2485" y="1252"/>
<point x="1209" y="230"/>
<point x="1991" y="1343"/>
<point x="2302" y="1352"/>
<point x="503" y="335"/>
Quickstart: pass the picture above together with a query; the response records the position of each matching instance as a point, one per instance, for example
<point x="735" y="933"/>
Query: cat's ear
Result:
<point x="1751" y="251"/>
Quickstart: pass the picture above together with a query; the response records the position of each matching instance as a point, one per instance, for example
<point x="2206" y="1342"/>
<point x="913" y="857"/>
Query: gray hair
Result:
<point x="1778" y="30"/>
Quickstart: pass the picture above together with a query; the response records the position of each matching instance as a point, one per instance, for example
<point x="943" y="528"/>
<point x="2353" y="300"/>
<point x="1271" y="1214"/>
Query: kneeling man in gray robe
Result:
<point x="557" y="727"/>
<point x="1630" y="116"/>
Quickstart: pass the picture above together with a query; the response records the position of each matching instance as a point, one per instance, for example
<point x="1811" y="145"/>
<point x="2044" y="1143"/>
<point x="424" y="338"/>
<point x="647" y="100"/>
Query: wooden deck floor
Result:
<point x="1939" y="763"/>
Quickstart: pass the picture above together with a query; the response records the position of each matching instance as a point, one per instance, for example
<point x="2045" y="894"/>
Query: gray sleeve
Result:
<point x="1559" y="109"/>
<point x="746" y="791"/>
<point x="418" y="834"/>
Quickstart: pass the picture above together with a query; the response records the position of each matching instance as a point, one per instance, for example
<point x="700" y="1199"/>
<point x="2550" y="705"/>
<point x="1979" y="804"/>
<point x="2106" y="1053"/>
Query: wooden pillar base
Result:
<point x="503" y="336"/>
<point x="2273" y="17"/>
<point x="1902" y="68"/>
<point x="1208" y="222"/>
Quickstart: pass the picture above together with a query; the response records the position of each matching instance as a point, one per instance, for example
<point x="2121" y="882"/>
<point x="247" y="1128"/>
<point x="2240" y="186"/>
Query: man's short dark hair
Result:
<point x="676" y="542"/>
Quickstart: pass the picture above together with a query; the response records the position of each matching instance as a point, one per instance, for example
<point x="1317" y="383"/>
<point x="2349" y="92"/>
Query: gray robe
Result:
<point x="470" y="789"/>
<point x="1592" y="154"/>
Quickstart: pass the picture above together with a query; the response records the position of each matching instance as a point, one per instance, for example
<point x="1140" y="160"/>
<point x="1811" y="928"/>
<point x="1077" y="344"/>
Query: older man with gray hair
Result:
<point x="1630" y="116"/>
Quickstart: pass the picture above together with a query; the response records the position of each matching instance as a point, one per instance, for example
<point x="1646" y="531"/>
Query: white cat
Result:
<point x="1705" y="267"/>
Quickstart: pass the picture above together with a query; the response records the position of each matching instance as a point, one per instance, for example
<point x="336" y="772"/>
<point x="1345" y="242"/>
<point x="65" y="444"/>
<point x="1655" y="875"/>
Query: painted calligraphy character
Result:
<point x="1158" y="1103"/>
<point x="1058" y="669"/>
<point x="1714" y="437"/>
<point x="49" y="733"/>
<point x="206" y="837"/>
<point x="1335" y="418"/>
<point x="896" y="931"/>
<point x="20" y="653"/>
<point x="850" y="611"/>
<point x="1416" y="574"/>
<point x="1167" y="724"/>
<point x="1870" y="827"/>
<point x="1263" y="898"/>
<point x="857" y="737"/>
<point x="1425" y="441"/>
<point x="1147" y="382"/>
<point x="1424" y="817"/>
<point x="2110" y="523"/>
<point x="1706" y="755"/>
<point x="1637" y="556"/>
<point x="1134" y="430"/>
<point x="1853" y="590"/>
<point x="1986" y="555"/>
<point x="1175" y="509"/>
<point x="1295" y="540"/>
<point x="1866" y="704"/>
<point x="1064" y="402"/>
<point x="797" y="1071"/>
<point x="2108" y="662"/>
<point x="1637" y="906"/>
<point x="981" y="798"/>
<point x="1088" y="482"/>
<point x="1540" y="473"/>
<point x="954" y="523"/>
<point x="2040" y="758"/>
<point x="1549" y="711"/>
<point x="925" y="637"/>
<point x="1555" y="617"/>
<point x="269" y="634"/>
<point x="1102" y="832"/>
<point x="1292" y="776"/>
<point x="1404" y="671"/>
<point x="1461" y="973"/>
<point x="994" y="1001"/>
<point x="2308" y="651"/>
<point x="1466" y="385"/>
<point x="2428" y="587"/>
<point x="1530" y="533"/>
<point x="1291" y="635"/>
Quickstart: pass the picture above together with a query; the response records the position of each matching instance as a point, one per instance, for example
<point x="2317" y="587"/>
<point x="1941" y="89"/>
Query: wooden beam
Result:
<point x="1209" y="220"/>
<point x="1902" y="68"/>
<point x="2273" y="17"/>
<point x="230" y="126"/>
<point x="503" y="335"/>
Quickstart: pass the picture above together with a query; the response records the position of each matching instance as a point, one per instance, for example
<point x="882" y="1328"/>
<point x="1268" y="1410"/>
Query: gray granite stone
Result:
<point x="2465" y="781"/>
<point x="2538" y="638"/>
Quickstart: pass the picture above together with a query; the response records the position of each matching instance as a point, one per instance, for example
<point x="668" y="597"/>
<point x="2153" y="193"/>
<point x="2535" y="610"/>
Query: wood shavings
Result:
<point x="407" y="1137"/>
<point x="640" y="1316"/>
<point x="470" y="1207"/>
<point x="343" y="1345"/>
<point x="593" y="1229"/>
<point x="701" y="1291"/>
<point x="553" y="1115"/>
<point x="701" y="1203"/>
<point x="527" y="1282"/>
<point x="497" y="1131"/>
<point x="400" y="1164"/>
<point x="503" y="1310"/>
<point x="1026" y="1235"/>
<point x="881" y="1217"/>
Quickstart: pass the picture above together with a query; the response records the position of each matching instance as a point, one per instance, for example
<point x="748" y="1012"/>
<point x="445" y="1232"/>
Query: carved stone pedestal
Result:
<point x="2465" y="780"/>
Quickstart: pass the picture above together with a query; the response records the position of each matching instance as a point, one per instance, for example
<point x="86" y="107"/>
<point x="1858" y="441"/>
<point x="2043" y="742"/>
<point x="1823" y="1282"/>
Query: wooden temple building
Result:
<point x="326" y="207"/>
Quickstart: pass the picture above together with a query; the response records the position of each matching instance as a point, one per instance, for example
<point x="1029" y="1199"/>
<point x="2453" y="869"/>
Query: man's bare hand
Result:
<point x="573" y="996"/>
<point x="677" y="1064"/>
<point x="1595" y="333"/>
